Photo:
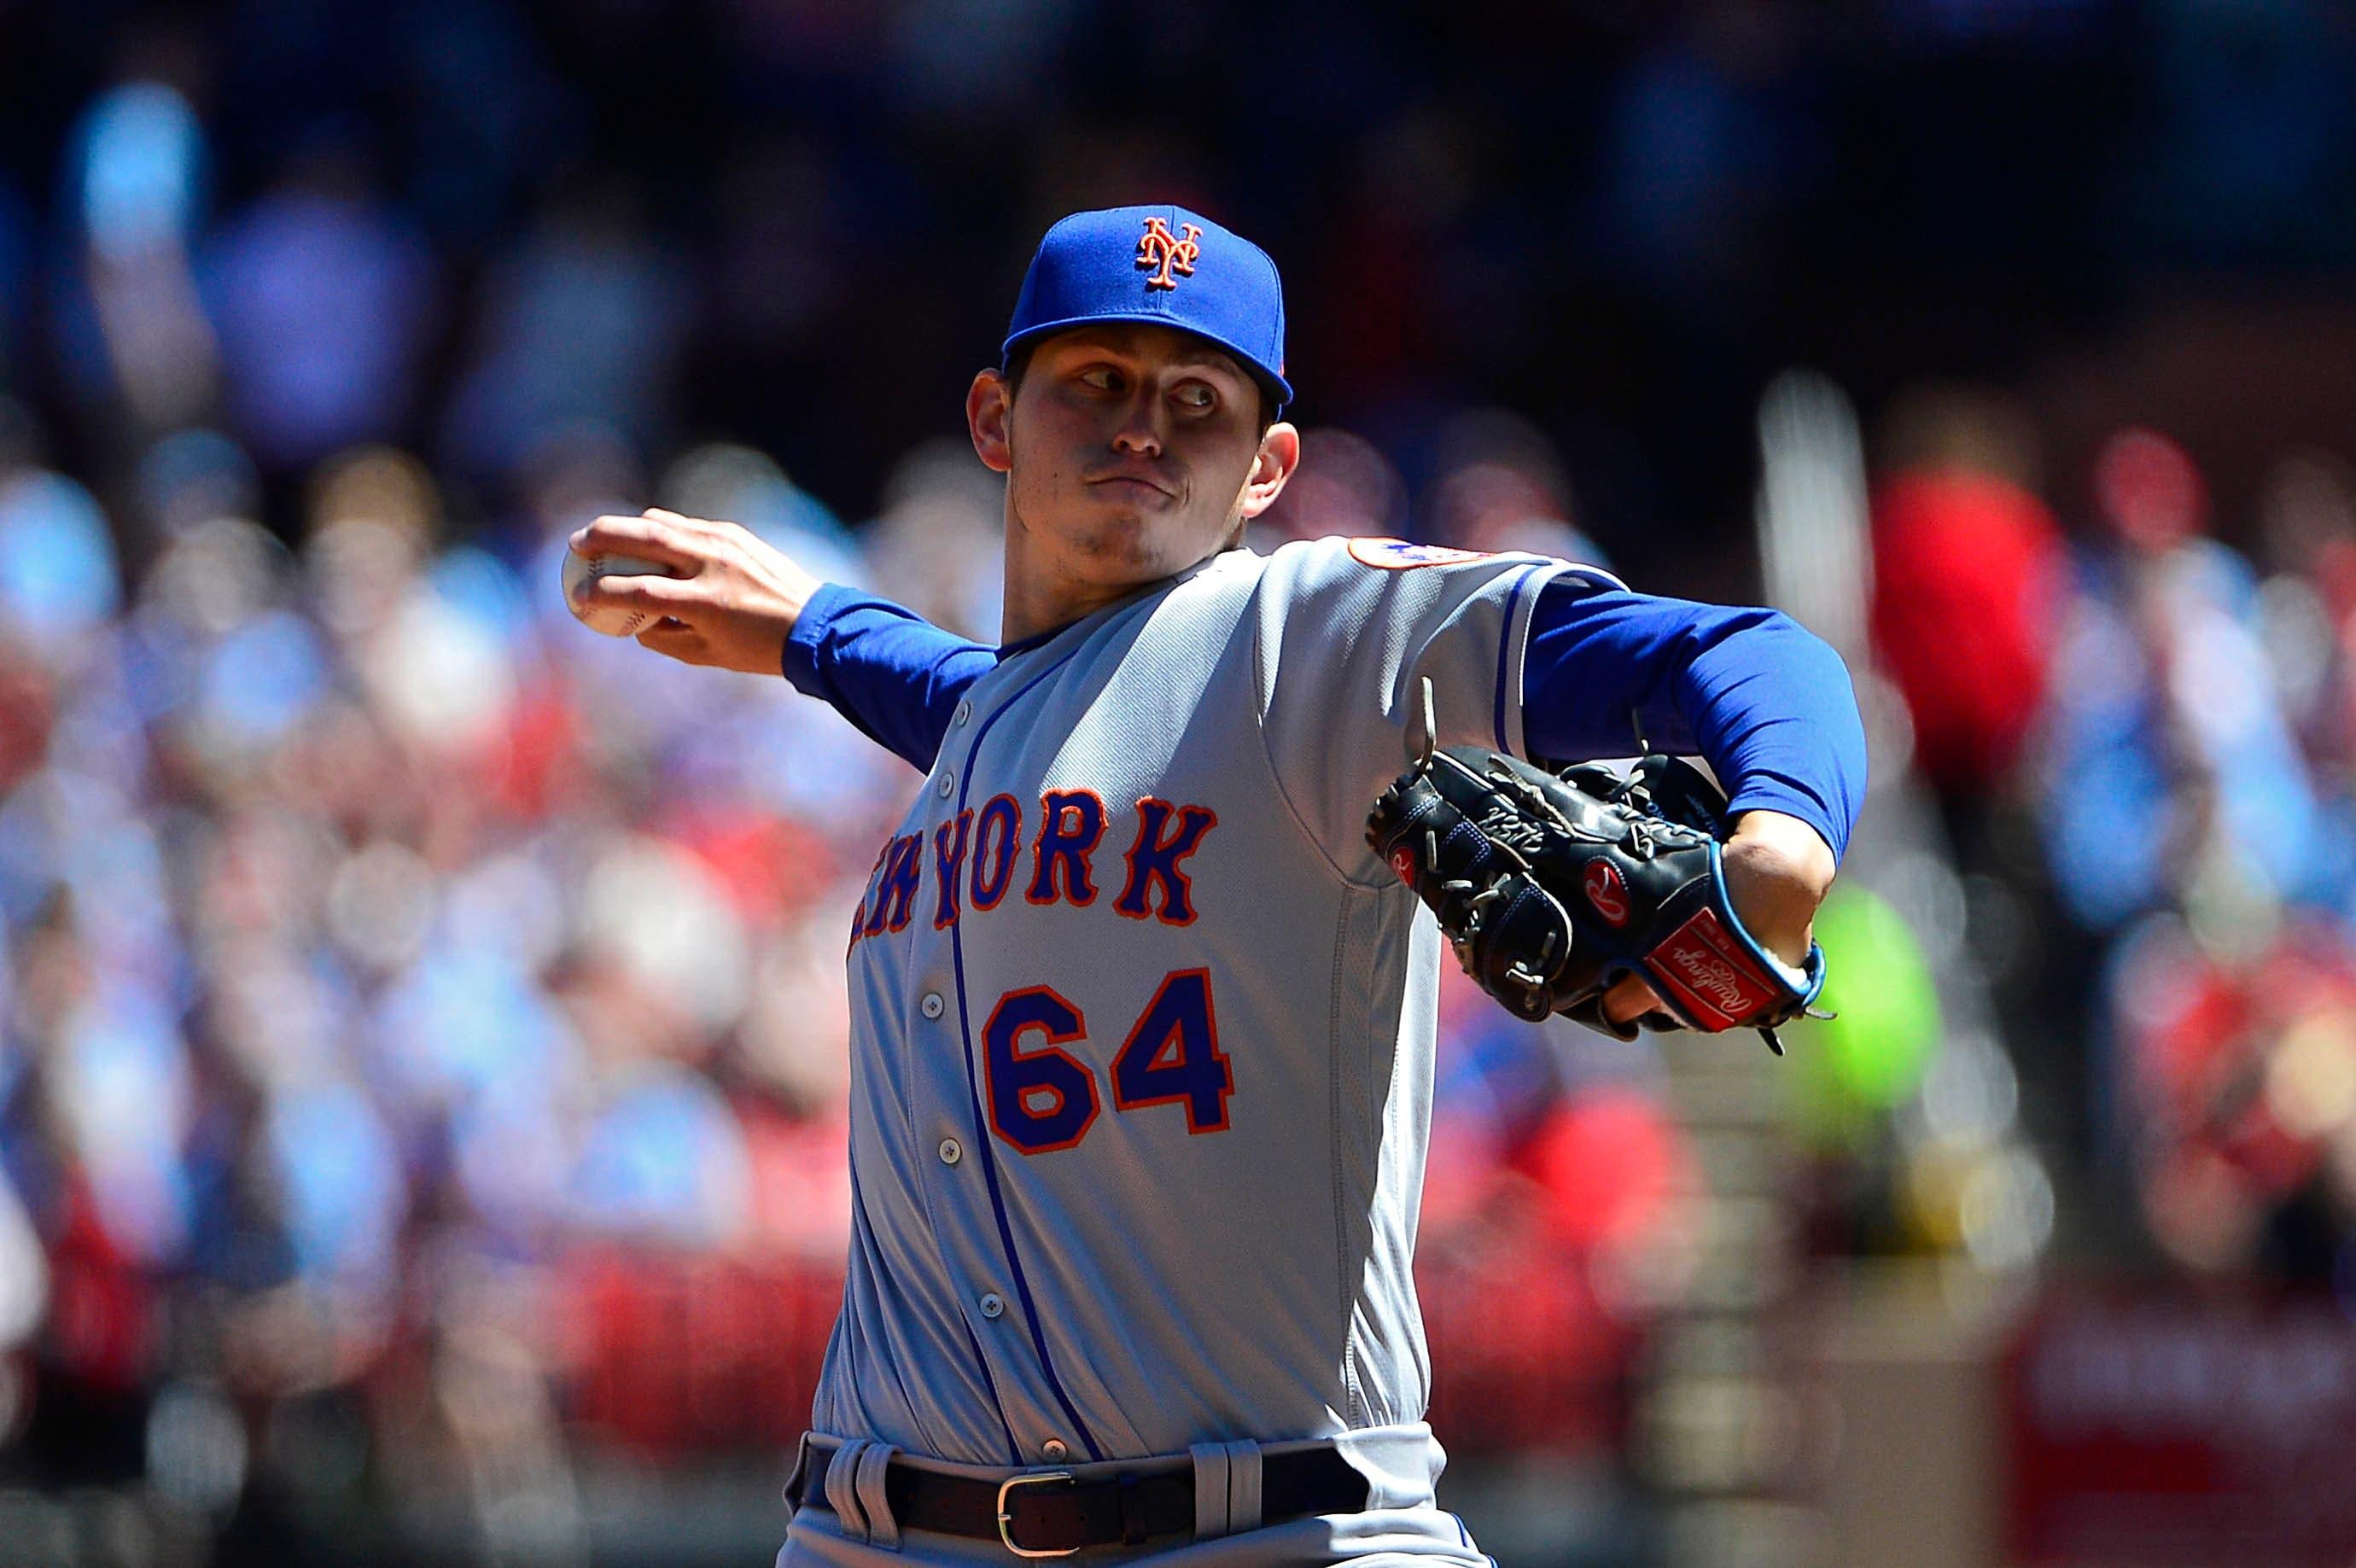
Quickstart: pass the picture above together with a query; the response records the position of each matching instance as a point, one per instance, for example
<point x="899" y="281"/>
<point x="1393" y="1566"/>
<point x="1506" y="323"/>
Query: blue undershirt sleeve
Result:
<point x="895" y="675"/>
<point x="1765" y="702"/>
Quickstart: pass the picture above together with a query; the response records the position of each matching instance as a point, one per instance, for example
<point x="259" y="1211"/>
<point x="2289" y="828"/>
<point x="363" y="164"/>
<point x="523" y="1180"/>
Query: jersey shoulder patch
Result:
<point x="1399" y="555"/>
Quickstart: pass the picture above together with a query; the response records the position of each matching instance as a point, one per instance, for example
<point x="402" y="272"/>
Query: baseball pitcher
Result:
<point x="1142" y="989"/>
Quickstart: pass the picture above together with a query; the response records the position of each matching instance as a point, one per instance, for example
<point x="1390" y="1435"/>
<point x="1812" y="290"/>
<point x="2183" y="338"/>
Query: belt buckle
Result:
<point x="1035" y="1478"/>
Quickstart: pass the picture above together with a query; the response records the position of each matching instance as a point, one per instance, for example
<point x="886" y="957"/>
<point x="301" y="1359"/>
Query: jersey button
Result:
<point x="1053" y="1448"/>
<point x="948" y="782"/>
<point x="931" y="1004"/>
<point x="993" y="1305"/>
<point x="952" y="1151"/>
<point x="964" y="711"/>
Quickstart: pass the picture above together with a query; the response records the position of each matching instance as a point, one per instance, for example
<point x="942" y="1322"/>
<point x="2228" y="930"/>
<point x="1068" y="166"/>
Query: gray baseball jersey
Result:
<point x="1142" y="1038"/>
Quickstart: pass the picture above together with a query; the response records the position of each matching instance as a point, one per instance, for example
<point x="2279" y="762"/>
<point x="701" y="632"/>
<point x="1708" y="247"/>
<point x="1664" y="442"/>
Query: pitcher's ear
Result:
<point x="1278" y="456"/>
<point x="989" y="411"/>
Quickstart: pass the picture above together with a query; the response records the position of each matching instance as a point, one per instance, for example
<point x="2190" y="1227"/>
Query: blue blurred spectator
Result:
<point x="322" y="293"/>
<point x="2168" y="747"/>
<point x="59" y="581"/>
<point x="128" y="320"/>
<point x="580" y="324"/>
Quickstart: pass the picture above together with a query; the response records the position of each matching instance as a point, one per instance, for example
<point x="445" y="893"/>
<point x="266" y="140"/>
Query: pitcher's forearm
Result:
<point x="1778" y="869"/>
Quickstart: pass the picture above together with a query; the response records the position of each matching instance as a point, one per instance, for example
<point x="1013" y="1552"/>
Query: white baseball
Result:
<point x="581" y="570"/>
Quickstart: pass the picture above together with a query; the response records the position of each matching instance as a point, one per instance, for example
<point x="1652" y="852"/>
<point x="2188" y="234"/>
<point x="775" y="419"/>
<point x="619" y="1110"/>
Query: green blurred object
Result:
<point x="1849" y="1069"/>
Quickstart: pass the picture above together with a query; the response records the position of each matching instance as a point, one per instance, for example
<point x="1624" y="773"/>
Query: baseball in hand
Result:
<point x="581" y="570"/>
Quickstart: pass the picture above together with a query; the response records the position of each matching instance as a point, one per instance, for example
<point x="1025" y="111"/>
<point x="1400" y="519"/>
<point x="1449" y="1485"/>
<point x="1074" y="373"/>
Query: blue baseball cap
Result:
<point x="1166" y="267"/>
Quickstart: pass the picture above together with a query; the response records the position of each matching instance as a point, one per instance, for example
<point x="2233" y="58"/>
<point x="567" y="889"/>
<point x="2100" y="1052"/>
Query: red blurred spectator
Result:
<point x="1968" y="567"/>
<point x="1612" y="1160"/>
<point x="2150" y="493"/>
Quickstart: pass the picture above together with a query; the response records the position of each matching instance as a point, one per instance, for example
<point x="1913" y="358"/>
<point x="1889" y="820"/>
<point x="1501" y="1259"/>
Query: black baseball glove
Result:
<point x="1555" y="887"/>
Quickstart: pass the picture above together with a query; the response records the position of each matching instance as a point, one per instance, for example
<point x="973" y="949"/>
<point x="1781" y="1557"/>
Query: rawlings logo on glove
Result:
<point x="1555" y="888"/>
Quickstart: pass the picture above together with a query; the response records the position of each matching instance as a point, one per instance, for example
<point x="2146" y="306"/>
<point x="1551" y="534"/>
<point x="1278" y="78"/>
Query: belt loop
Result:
<point x="1243" y="1486"/>
<point x="843" y="1489"/>
<point x="792" y="1490"/>
<point x="883" y="1528"/>
<point x="1210" y="1489"/>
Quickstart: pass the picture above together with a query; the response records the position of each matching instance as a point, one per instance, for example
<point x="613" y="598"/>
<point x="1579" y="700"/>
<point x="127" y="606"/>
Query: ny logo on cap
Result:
<point x="1167" y="252"/>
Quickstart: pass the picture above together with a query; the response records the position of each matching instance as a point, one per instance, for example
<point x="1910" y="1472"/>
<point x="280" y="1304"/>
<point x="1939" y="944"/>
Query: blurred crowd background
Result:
<point x="422" y="1022"/>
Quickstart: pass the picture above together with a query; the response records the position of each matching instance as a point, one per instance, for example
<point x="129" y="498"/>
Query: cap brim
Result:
<point x="1279" y="389"/>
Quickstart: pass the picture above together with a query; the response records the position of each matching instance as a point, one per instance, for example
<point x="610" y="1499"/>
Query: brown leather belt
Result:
<point x="1049" y="1513"/>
